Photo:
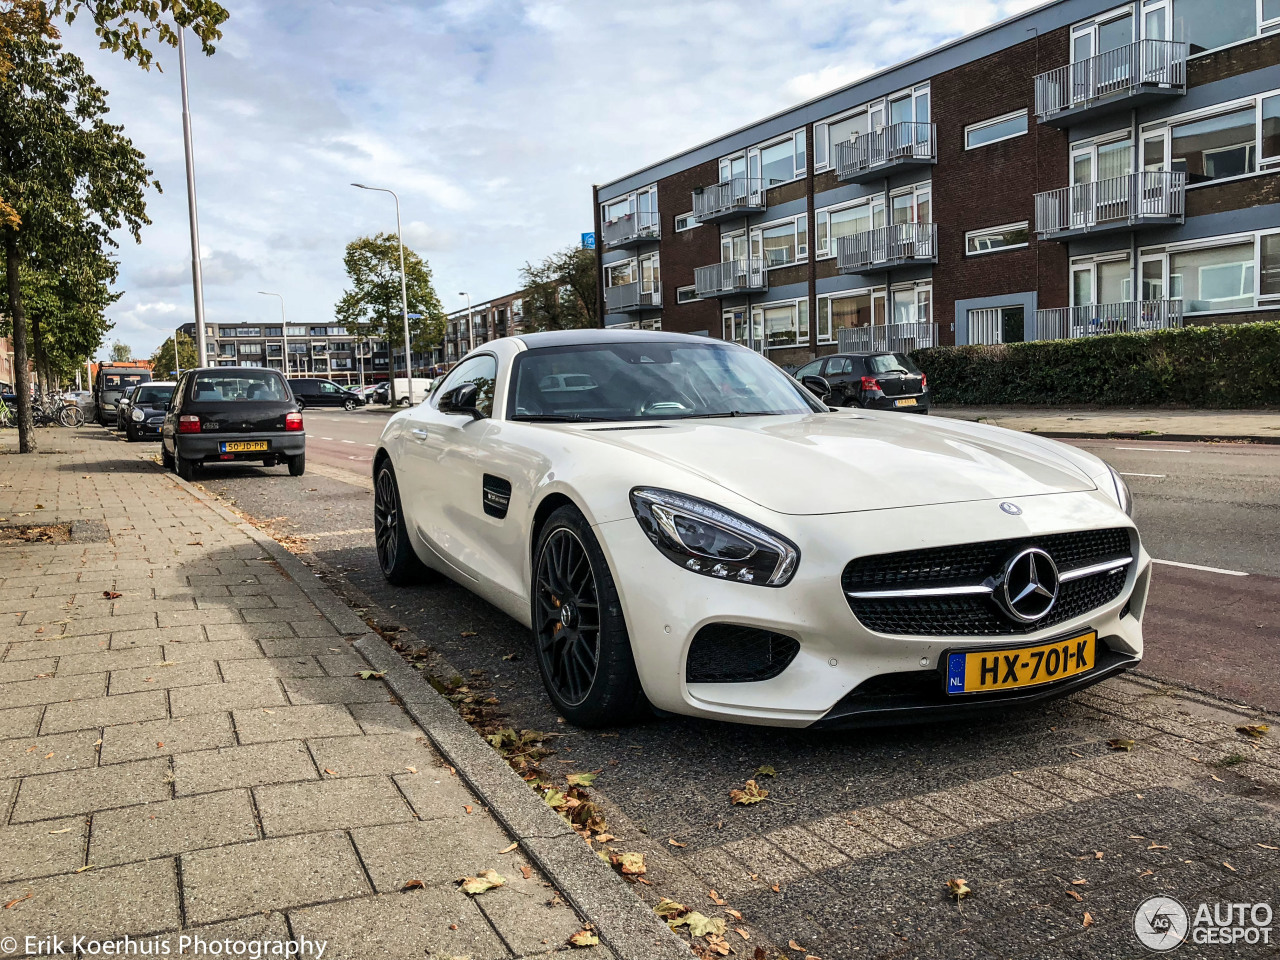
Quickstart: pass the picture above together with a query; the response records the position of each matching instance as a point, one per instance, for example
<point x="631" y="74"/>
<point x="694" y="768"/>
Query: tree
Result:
<point x="162" y="364"/>
<point x="71" y="178"/>
<point x="373" y="269"/>
<point x="560" y="291"/>
<point x="121" y="352"/>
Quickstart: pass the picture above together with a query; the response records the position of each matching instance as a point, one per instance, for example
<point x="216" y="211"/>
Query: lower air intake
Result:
<point x="728" y="653"/>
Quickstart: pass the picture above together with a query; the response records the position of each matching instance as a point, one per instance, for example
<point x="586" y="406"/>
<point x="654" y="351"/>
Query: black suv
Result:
<point x="881" y="381"/>
<point x="318" y="392"/>
<point x="222" y="414"/>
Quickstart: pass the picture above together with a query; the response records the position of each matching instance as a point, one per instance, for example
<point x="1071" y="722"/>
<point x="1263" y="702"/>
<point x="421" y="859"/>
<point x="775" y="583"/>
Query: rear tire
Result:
<point x="186" y="468"/>
<point x="399" y="564"/>
<point x="166" y="458"/>
<point x="579" y="631"/>
<point x="298" y="464"/>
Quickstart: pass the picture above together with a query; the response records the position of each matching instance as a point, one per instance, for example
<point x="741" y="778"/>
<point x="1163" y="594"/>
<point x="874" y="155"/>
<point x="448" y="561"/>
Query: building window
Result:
<point x="996" y="129"/>
<point x="904" y="106"/>
<point x="1011" y="236"/>
<point x="620" y="274"/>
<point x="250" y="332"/>
<point x="997" y="325"/>
<point x="783" y="160"/>
<point x="687" y="221"/>
<point x="1220" y="278"/>
<point x="226" y="331"/>
<point x="782" y="243"/>
<point x="226" y="349"/>
<point x="861" y="309"/>
<point x="297" y="331"/>
<point x="271" y="331"/>
<point x="1215" y="147"/>
<point x="274" y="351"/>
<point x="784" y="324"/>
<point x="1269" y="260"/>
<point x="1208" y="24"/>
<point x="912" y="304"/>
<point x="250" y="349"/>
<point x="847" y="220"/>
<point x="686" y="294"/>
<point x="517" y="308"/>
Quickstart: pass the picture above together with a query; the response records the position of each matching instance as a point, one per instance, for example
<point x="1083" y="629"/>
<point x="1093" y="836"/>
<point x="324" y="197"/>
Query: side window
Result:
<point x="839" y="366"/>
<point x="328" y="387"/>
<point x="809" y="370"/>
<point x="483" y="372"/>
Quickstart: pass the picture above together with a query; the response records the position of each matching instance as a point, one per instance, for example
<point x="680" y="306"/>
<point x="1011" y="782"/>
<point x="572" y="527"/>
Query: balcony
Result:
<point x="733" y="198"/>
<point x="1072" y="323"/>
<point x="748" y="275"/>
<point x="628" y="298"/>
<point x="1116" y="80"/>
<point x="1148" y="199"/>
<point x="897" y="245"/>
<point x="631" y="230"/>
<point x="887" y="337"/>
<point x="899" y="146"/>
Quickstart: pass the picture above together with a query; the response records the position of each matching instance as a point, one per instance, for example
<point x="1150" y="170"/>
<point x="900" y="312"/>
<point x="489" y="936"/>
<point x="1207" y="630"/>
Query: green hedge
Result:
<point x="1231" y="365"/>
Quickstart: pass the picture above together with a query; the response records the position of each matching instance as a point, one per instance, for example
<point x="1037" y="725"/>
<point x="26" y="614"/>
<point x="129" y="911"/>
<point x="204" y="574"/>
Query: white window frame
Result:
<point x="1163" y="251"/>
<point x="755" y="245"/>
<point x="632" y="200"/>
<point x="822" y="158"/>
<point x="824" y="301"/>
<point x="609" y="268"/>
<point x="798" y="147"/>
<point x="1164" y="127"/>
<point x="991" y="122"/>
<point x="996" y="231"/>
<point x="923" y="294"/>
<point x="913" y="190"/>
<point x="825" y="250"/>
<point x="690" y="221"/>
<point x="1267" y="25"/>
<point x="686" y="294"/>
<point x="1090" y="263"/>
<point x="801" y="326"/>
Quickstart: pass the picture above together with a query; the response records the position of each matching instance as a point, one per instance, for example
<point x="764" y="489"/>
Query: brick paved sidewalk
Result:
<point x="186" y="745"/>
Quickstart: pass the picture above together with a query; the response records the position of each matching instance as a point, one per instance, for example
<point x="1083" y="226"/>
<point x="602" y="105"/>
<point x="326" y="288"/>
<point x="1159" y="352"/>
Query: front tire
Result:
<point x="400" y="566"/>
<point x="302" y="404"/>
<point x="298" y="464"/>
<point x="579" y="632"/>
<point x="349" y="405"/>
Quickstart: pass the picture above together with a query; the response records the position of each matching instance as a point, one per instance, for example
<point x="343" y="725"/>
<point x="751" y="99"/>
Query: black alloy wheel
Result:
<point x="399" y="564"/>
<point x="580" y="634"/>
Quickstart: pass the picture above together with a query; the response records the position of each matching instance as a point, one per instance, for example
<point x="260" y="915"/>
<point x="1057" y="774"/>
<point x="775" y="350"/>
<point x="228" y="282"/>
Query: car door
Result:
<point x="838" y="374"/>
<point x="444" y="471"/>
<point x="330" y="394"/>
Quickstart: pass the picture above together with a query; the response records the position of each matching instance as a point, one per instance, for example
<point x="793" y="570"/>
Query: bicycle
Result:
<point x="50" y="411"/>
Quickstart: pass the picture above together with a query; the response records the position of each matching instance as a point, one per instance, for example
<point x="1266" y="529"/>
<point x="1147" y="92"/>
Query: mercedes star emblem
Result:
<point x="1012" y="509"/>
<point x="1030" y="585"/>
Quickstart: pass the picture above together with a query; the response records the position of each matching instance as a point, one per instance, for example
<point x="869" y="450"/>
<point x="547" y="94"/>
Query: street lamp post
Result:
<point x="404" y="294"/>
<point x="197" y="279"/>
<point x="177" y="363"/>
<point x="284" y="330"/>
<point x="470" y="320"/>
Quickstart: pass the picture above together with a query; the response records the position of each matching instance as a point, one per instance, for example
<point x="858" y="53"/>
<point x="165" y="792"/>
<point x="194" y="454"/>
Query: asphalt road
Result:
<point x="1213" y="506"/>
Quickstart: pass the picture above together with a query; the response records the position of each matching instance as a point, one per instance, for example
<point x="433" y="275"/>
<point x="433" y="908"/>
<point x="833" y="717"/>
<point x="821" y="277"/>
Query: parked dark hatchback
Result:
<point x="227" y="414"/>
<point x="141" y="414"/>
<point x="318" y="392"/>
<point x="880" y="381"/>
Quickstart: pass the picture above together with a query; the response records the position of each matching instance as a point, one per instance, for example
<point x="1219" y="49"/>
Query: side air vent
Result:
<point x="728" y="653"/>
<point x="497" y="496"/>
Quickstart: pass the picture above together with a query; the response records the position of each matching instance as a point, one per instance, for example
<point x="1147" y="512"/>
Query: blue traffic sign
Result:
<point x="589" y="241"/>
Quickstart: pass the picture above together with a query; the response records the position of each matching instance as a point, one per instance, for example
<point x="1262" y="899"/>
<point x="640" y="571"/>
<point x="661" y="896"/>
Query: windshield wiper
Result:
<point x="725" y="413"/>
<point x="559" y="418"/>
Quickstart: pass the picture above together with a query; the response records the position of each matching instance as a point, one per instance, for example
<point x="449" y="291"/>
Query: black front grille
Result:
<point x="728" y="653"/>
<point x="968" y="564"/>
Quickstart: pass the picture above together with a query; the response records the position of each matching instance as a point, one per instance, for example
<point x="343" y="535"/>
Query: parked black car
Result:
<point x="122" y="408"/>
<point x="880" y="381"/>
<point x="318" y="392"/>
<point x="222" y="414"/>
<point x="141" y="413"/>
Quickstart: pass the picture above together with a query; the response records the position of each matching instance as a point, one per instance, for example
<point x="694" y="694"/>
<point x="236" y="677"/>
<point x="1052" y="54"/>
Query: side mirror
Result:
<point x="461" y="399"/>
<point x="168" y="404"/>
<point x="818" y="386"/>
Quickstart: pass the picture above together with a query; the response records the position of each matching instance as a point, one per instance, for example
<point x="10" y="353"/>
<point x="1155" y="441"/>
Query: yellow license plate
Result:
<point x="905" y="403"/>
<point x="1011" y="669"/>
<point x="243" y="446"/>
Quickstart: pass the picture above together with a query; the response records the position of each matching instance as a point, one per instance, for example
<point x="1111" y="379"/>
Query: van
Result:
<point x="109" y="388"/>
<point x="421" y="387"/>
<point x="321" y="392"/>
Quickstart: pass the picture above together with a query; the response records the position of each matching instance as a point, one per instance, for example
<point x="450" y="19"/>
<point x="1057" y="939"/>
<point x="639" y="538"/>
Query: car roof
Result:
<point x="234" y="370"/>
<point x="567" y="338"/>
<point x="873" y="353"/>
<point x="159" y="383"/>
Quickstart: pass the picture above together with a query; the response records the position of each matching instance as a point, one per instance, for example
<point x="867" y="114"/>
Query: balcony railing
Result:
<point x="884" y="247"/>
<point x="1072" y="323"/>
<point x="748" y="275"/>
<point x="904" y="144"/>
<point x="633" y="229"/>
<point x="1152" y="196"/>
<point x="889" y="337"/>
<point x="1147" y="66"/>
<point x="732" y="198"/>
<point x="629" y="298"/>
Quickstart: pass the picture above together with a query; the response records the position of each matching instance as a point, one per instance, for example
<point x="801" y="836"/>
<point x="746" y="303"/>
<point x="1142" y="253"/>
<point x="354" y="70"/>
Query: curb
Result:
<point x="620" y="918"/>
<point x="1144" y="438"/>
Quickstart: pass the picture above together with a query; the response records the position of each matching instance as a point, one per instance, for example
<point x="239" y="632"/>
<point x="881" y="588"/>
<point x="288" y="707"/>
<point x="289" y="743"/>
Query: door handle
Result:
<point x="419" y="433"/>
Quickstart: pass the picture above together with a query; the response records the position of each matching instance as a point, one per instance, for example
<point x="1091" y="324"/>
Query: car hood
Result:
<point x="839" y="463"/>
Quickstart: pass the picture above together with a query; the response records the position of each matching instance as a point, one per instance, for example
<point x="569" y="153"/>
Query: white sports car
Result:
<point x="684" y="526"/>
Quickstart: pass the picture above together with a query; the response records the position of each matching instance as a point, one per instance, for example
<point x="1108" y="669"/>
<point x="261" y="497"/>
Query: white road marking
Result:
<point x="1196" y="566"/>
<point x="326" y="438"/>
<point x="370" y="444"/>
<point x="348" y="441"/>
<point x="1158" y="476"/>
<point x="340" y="533"/>
<point x="1153" y="449"/>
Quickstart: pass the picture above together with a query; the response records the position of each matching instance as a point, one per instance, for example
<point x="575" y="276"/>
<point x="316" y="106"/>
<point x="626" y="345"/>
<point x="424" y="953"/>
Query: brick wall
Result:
<point x="996" y="184"/>
<point x="683" y="252"/>
<point x="1244" y="58"/>
<point x="1234" y="195"/>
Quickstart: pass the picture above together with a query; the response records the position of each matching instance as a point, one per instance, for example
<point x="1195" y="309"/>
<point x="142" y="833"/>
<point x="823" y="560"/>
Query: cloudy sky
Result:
<point x="491" y="118"/>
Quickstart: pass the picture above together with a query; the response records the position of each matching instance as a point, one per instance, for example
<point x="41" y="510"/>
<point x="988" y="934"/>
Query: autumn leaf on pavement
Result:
<point x="413" y="885"/>
<point x="110" y="595"/>
<point x="750" y="793"/>
<point x="583" y="938"/>
<point x="484" y="880"/>
<point x="1255" y="730"/>
<point x="581" y="779"/>
<point x="669" y="908"/>
<point x="1075" y="896"/>
<point x="1088" y="919"/>
<point x="766" y="771"/>
<point x="700" y="924"/>
<point x="13" y="903"/>
<point x="675" y="843"/>
<point x="629" y="864"/>
<point x="371" y="675"/>
<point x="1120" y="744"/>
<point x="958" y="888"/>
<point x="795" y="946"/>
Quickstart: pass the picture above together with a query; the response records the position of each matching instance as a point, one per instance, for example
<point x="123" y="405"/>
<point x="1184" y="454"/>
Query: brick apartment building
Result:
<point x="482" y="322"/>
<point x="1080" y="168"/>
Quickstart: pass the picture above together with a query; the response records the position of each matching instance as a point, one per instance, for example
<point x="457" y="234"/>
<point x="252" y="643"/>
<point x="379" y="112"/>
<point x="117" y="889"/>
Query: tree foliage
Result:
<point x="72" y="179"/>
<point x="373" y="297"/>
<point x="65" y="314"/>
<point x="121" y="352"/>
<point x="560" y="291"/>
<point x="162" y="360"/>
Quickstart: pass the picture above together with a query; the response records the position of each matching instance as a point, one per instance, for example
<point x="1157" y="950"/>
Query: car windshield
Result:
<point x="150" y="394"/>
<point x="630" y="380"/>
<point x="891" y="363"/>
<point x="241" y="385"/>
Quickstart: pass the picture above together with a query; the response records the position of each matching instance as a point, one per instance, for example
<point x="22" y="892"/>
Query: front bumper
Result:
<point x="193" y="446"/>
<point x="666" y="606"/>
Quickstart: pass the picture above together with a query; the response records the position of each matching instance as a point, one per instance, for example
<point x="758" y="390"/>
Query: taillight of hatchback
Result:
<point x="293" y="421"/>
<point x="870" y="384"/>
<point x="189" y="423"/>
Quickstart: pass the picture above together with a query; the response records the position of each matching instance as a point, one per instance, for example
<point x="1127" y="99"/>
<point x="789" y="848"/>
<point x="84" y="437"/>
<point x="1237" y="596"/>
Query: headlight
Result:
<point x="137" y="416"/>
<point x="712" y="541"/>
<point x="1123" y="496"/>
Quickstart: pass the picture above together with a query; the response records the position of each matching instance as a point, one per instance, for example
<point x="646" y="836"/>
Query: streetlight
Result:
<point x="284" y="329"/>
<point x="177" y="363"/>
<point x="404" y="294"/>
<point x="470" y="321"/>
<point x="197" y="280"/>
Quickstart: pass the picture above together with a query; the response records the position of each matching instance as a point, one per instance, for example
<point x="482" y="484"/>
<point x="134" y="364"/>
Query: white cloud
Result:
<point x="491" y="118"/>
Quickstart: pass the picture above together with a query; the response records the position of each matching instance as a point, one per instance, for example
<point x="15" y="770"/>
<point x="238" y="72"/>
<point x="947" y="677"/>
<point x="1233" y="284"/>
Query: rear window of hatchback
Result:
<point x="247" y="385"/>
